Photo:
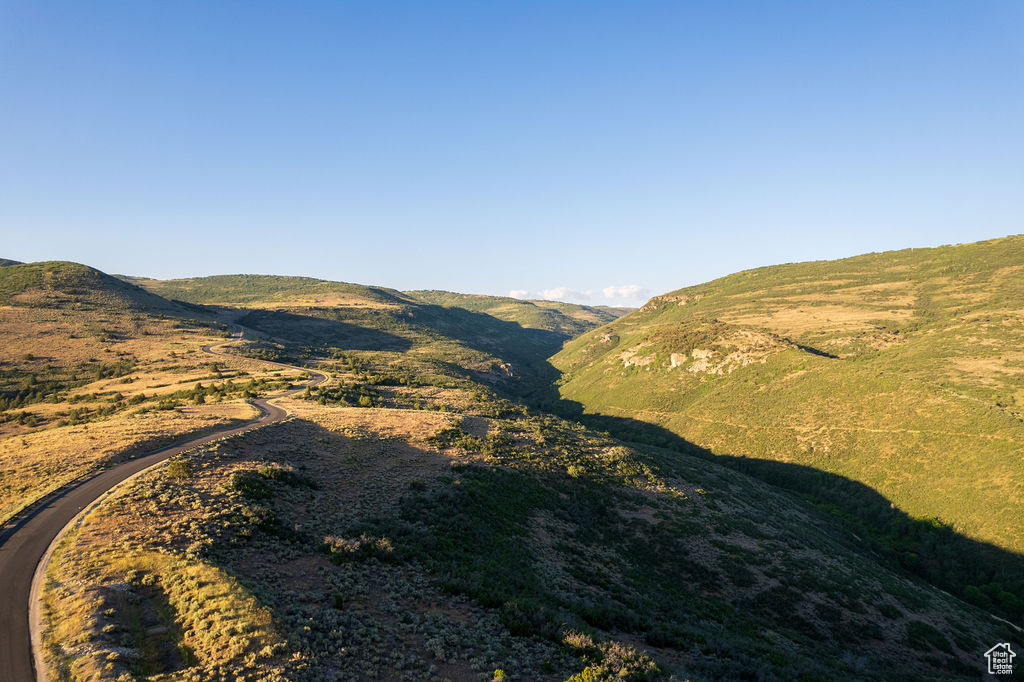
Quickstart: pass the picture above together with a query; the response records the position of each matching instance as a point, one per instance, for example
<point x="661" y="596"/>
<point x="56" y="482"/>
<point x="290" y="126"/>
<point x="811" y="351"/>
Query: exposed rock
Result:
<point x="680" y="299"/>
<point x="630" y="358"/>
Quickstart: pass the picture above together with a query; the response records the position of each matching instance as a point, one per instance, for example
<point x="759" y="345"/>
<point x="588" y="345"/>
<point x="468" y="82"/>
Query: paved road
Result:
<point x="25" y="543"/>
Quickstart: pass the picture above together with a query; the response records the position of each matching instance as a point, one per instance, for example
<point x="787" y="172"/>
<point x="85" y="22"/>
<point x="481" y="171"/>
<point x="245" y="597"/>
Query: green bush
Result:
<point x="251" y="485"/>
<point x="179" y="468"/>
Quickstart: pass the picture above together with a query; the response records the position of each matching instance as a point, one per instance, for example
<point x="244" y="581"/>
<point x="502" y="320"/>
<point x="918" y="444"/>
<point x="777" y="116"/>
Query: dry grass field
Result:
<point x="110" y="385"/>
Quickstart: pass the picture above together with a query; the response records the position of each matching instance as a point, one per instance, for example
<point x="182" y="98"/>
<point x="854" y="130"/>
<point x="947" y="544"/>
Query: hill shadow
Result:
<point x="400" y="329"/>
<point x="527" y="349"/>
<point x="461" y="524"/>
<point x="487" y="333"/>
<point x="311" y="330"/>
<point x="990" y="577"/>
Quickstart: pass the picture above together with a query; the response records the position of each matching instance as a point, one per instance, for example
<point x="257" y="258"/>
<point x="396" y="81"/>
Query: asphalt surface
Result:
<point x="24" y="542"/>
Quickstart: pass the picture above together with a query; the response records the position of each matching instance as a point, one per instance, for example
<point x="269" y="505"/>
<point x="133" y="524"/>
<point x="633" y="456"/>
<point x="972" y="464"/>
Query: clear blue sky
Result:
<point x="498" y="146"/>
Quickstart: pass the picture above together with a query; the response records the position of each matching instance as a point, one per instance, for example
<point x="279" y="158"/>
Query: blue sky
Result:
<point x="593" y="151"/>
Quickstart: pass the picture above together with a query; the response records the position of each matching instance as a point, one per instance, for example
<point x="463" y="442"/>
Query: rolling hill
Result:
<point x="418" y="517"/>
<point x="566" y="318"/>
<point x="500" y="341"/>
<point x="903" y="371"/>
<point x="62" y="284"/>
<point x="268" y="291"/>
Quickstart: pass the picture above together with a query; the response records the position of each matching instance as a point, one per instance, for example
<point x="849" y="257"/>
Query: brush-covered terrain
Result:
<point x="901" y="371"/>
<point x="420" y="518"/>
<point x="94" y="370"/>
<point x="501" y="342"/>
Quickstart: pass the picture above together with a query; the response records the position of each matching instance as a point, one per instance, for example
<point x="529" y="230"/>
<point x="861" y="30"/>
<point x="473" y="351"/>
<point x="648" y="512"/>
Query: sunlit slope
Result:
<point x="62" y="284"/>
<point x="94" y="370"/>
<point x="273" y="291"/>
<point x="901" y="370"/>
<point x="268" y="291"/>
<point x="500" y="341"/>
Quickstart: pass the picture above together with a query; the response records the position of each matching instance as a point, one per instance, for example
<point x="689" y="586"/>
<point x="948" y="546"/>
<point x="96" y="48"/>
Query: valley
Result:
<point x="808" y="471"/>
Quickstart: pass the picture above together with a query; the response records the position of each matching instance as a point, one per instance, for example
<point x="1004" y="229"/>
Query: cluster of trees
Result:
<point x="217" y="392"/>
<point x="20" y="388"/>
<point x="34" y="393"/>
<point x="21" y="418"/>
<point x="346" y="394"/>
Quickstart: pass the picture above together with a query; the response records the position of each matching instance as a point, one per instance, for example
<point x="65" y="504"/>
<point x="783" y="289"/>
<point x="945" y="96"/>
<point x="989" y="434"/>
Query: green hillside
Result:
<point x="501" y="342"/>
<point x="8" y="261"/>
<point x="566" y="318"/>
<point x="62" y="284"/>
<point x="409" y="521"/>
<point x="244" y="290"/>
<point x="903" y="371"/>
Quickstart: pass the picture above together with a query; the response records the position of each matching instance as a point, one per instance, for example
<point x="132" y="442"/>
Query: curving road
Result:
<point x="25" y="545"/>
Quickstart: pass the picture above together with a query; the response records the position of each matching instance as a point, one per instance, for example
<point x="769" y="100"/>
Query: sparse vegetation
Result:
<point x="900" y="371"/>
<point x="416" y="519"/>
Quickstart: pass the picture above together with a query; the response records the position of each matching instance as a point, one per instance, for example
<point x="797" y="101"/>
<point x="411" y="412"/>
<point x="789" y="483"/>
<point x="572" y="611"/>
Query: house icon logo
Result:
<point x="1000" y="659"/>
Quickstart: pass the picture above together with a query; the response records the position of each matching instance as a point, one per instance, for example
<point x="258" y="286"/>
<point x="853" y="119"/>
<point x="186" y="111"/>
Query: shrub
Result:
<point x="251" y="485"/>
<point x="179" y="468"/>
<point x="359" y="549"/>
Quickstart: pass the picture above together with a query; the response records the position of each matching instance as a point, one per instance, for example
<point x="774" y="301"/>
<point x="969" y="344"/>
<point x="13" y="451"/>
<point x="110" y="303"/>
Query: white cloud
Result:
<point x="626" y="291"/>
<point x="518" y="293"/>
<point x="565" y="294"/>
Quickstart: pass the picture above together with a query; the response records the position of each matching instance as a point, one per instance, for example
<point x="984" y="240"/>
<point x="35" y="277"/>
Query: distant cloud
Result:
<point x="623" y="295"/>
<point x="565" y="294"/>
<point x="626" y="291"/>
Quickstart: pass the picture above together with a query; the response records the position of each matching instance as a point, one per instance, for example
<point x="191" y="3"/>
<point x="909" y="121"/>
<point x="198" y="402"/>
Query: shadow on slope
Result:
<point x="549" y="550"/>
<point x="522" y="349"/>
<point x="311" y="330"/>
<point x="980" y="573"/>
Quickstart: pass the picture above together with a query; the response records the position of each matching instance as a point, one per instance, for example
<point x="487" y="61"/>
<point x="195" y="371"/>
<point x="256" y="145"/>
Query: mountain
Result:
<point x="501" y="341"/>
<point x="268" y="291"/>
<point x="567" y="318"/>
<point x="902" y="371"/>
<point x="62" y="284"/>
<point x="8" y="261"/>
<point x="418" y="517"/>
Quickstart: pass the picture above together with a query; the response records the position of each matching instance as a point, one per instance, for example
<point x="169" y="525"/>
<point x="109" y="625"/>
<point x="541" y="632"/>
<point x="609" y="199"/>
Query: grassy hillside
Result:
<point x="94" y="370"/>
<point x="61" y="284"/>
<point x="8" y="261"/>
<point x="499" y="341"/>
<point x="903" y="371"/>
<point x="268" y="290"/>
<point x="566" y="318"/>
<point x="410" y="523"/>
<point x="406" y="544"/>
